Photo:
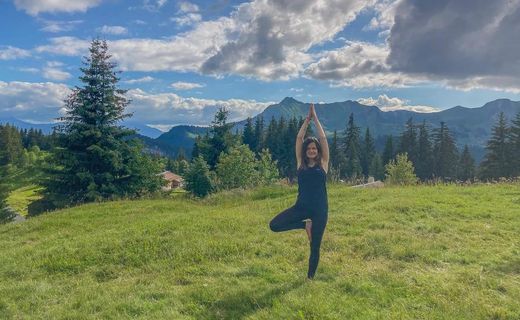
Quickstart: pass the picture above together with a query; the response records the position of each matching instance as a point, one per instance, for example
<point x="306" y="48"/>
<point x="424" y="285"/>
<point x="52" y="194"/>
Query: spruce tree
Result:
<point x="259" y="135"/>
<point x="248" y="135"/>
<point x="408" y="141"/>
<point x="198" y="178"/>
<point x="388" y="152"/>
<point x="367" y="152"/>
<point x="445" y="153"/>
<point x="377" y="169"/>
<point x="496" y="160"/>
<point x="96" y="159"/>
<point x="11" y="146"/>
<point x="5" y="214"/>
<point x="352" y="150"/>
<point x="424" y="164"/>
<point x="466" y="167"/>
<point x="514" y="145"/>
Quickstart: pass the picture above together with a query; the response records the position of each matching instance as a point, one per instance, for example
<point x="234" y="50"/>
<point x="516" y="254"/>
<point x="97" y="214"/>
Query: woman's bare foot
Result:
<point x="308" y="228"/>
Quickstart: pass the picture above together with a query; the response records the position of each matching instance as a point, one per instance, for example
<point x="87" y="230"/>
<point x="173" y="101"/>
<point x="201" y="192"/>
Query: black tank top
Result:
<point x="312" y="188"/>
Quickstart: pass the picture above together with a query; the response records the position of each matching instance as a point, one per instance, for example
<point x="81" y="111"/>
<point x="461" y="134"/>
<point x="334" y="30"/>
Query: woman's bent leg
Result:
<point x="289" y="219"/>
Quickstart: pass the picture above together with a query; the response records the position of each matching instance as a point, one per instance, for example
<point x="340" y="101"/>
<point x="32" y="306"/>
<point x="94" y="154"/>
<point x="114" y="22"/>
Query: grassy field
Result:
<point x="443" y="252"/>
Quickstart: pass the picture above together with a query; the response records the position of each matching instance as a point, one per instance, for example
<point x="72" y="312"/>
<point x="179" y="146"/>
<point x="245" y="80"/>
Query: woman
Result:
<point x="312" y="157"/>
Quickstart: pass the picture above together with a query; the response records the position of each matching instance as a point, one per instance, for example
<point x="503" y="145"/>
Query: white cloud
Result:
<point x="34" y="7"/>
<point x="43" y="102"/>
<point x="114" y="30"/>
<point x="140" y="80"/>
<point x="384" y="15"/>
<point x="68" y="46"/>
<point x="386" y="103"/>
<point x="187" y="20"/>
<point x="11" y="53"/>
<point x="55" y="74"/>
<point x="59" y="26"/>
<point x="187" y="7"/>
<point x="170" y="108"/>
<point x="33" y="101"/>
<point x="186" y="85"/>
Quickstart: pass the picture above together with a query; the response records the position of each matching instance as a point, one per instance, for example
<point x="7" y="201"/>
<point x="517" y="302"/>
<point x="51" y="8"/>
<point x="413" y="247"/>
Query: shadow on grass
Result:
<point x="240" y="303"/>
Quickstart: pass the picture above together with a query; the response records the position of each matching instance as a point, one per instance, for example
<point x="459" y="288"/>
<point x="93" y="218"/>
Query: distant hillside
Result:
<point x="471" y="126"/>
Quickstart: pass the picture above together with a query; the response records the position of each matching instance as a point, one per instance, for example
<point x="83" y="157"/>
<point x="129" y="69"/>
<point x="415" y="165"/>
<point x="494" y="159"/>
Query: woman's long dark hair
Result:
<point x="305" y="160"/>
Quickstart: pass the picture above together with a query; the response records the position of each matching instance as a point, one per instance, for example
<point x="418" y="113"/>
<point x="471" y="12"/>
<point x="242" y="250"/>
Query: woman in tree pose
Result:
<point x="310" y="210"/>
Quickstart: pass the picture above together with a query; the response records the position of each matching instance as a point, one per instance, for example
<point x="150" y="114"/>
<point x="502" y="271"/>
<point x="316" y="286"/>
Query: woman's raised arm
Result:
<point x="299" y="139"/>
<point x="323" y="140"/>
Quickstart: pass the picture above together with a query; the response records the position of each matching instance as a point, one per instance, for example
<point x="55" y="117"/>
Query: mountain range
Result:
<point x="471" y="126"/>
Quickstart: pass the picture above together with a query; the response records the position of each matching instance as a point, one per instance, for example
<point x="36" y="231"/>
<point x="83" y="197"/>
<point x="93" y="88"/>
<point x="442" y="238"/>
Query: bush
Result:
<point x="400" y="171"/>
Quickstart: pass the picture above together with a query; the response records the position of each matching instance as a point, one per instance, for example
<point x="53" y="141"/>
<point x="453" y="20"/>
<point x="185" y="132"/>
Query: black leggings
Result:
<point x="292" y="218"/>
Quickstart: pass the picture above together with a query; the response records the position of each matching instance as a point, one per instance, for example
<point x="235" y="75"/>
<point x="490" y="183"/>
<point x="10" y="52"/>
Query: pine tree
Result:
<point x="367" y="152"/>
<point x="408" y="141"/>
<point x="377" y="169"/>
<point x="424" y="164"/>
<point x="514" y="145"/>
<point x="96" y="159"/>
<point x="466" y="167"/>
<point x="445" y="153"/>
<point x="198" y="178"/>
<point x="248" y="135"/>
<point x="352" y="150"/>
<point x="496" y="160"/>
<point x="388" y="152"/>
<point x="5" y="214"/>
<point x="11" y="147"/>
<point x="259" y="135"/>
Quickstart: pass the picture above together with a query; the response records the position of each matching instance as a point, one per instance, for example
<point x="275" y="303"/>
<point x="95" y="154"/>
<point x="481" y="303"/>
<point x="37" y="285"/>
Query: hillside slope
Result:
<point x="442" y="252"/>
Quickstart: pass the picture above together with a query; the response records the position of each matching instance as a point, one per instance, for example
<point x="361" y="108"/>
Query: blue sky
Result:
<point x="181" y="60"/>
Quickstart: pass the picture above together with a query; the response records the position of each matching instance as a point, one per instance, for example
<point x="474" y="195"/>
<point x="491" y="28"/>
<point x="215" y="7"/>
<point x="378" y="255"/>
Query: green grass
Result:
<point x="20" y="198"/>
<point x="442" y="252"/>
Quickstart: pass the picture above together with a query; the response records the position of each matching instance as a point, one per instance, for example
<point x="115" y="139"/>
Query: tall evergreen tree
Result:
<point x="11" y="147"/>
<point x="496" y="160"/>
<point x="5" y="214"/>
<point x="408" y="141"/>
<point x="248" y="135"/>
<point x="388" y="152"/>
<point x="466" y="167"/>
<point x="96" y="158"/>
<point x="424" y="164"/>
<point x="514" y="143"/>
<point x="367" y="152"/>
<point x="259" y="135"/>
<point x="352" y="150"/>
<point x="445" y="153"/>
<point x="219" y="139"/>
<point x="198" y="178"/>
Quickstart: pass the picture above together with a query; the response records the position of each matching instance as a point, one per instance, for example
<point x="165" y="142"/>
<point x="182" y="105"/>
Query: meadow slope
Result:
<point x="427" y="252"/>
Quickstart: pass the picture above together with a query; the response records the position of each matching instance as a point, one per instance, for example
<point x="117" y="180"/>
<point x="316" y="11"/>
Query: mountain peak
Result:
<point x="289" y="100"/>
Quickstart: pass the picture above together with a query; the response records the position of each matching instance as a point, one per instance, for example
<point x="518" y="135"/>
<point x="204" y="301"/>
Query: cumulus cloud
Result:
<point x="186" y="85"/>
<point x="68" y="46"/>
<point x="34" y="7"/>
<point x="274" y="36"/>
<point x="170" y="108"/>
<point x="59" y="26"/>
<point x="463" y="42"/>
<point x="44" y="102"/>
<point x="384" y="15"/>
<point x="114" y="30"/>
<point x="386" y="103"/>
<point x="140" y="80"/>
<point x="357" y="65"/>
<point x="55" y="74"/>
<point x="33" y="101"/>
<point x="11" y="53"/>
<point x="187" y="19"/>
